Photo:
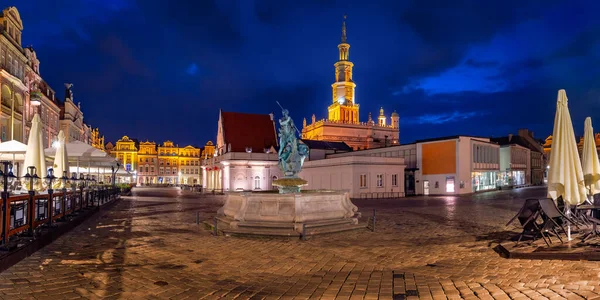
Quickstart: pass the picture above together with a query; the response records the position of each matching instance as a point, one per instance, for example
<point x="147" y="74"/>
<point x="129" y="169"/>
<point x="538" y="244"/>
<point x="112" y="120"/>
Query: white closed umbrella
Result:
<point x="34" y="156"/>
<point x="565" y="176"/>
<point x="589" y="160"/>
<point x="61" y="160"/>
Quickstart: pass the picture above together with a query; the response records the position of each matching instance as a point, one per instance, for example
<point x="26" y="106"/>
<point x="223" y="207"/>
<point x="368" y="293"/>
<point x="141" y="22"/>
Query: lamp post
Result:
<point x="64" y="179"/>
<point x="81" y="186"/>
<point x="32" y="178"/>
<point x="49" y="179"/>
<point x="88" y="194"/>
<point x="7" y="178"/>
<point x="73" y="189"/>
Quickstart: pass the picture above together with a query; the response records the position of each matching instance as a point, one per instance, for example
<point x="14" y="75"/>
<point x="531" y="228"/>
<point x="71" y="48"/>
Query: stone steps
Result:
<point x="333" y="229"/>
<point x="261" y="232"/>
<point x="283" y="229"/>
<point x="328" y="223"/>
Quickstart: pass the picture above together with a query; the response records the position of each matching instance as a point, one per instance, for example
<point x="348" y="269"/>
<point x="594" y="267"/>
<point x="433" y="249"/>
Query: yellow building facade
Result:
<point x="126" y="152"/>
<point x="166" y="163"/>
<point x="343" y="123"/>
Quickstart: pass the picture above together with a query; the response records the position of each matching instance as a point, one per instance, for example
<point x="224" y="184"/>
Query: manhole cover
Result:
<point x="161" y="283"/>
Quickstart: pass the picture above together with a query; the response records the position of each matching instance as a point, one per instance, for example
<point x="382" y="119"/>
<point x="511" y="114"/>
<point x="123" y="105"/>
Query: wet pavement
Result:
<point x="149" y="247"/>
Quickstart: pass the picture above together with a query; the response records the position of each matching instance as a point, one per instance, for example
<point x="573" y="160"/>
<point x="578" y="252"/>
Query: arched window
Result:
<point x="257" y="183"/>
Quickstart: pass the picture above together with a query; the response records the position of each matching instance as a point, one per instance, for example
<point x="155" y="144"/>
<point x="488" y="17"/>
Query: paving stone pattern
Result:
<point x="149" y="247"/>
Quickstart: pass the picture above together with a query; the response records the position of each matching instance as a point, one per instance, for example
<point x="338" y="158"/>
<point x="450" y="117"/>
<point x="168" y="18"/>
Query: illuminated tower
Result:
<point x="381" y="118"/>
<point x="343" y="107"/>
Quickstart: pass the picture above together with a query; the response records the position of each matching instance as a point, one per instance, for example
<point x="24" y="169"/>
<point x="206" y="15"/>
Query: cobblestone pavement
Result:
<point x="149" y="247"/>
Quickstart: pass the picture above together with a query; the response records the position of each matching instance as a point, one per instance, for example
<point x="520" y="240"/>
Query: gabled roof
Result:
<point x="324" y="145"/>
<point x="243" y="130"/>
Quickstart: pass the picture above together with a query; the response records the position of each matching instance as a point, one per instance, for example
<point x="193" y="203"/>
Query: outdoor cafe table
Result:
<point x="594" y="209"/>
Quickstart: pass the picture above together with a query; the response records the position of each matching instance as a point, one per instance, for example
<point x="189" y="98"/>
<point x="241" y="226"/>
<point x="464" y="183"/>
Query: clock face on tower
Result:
<point x="341" y="100"/>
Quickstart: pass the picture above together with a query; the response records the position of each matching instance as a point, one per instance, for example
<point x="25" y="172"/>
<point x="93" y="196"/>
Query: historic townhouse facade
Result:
<point x="23" y="92"/>
<point x="165" y="163"/>
<point x="148" y="163"/>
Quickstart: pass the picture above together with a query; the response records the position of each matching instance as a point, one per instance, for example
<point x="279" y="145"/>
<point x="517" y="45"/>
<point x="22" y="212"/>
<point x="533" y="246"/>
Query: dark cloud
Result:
<point x="481" y="64"/>
<point x="581" y="45"/>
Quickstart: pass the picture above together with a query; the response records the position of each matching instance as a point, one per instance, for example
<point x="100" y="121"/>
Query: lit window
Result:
<point x="363" y="180"/>
<point x="450" y="185"/>
<point x="257" y="183"/>
<point x="379" y="180"/>
<point x="394" y="179"/>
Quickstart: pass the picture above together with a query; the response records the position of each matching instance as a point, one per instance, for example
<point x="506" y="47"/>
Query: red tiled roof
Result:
<point x="243" y="130"/>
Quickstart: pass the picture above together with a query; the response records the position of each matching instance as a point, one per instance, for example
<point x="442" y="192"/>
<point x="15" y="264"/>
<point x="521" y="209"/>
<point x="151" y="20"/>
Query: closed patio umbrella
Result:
<point x="61" y="160"/>
<point x="565" y="176"/>
<point x="34" y="156"/>
<point x="589" y="160"/>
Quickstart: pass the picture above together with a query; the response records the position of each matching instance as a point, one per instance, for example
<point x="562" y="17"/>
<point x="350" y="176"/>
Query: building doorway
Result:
<point x="409" y="183"/>
<point x="426" y="187"/>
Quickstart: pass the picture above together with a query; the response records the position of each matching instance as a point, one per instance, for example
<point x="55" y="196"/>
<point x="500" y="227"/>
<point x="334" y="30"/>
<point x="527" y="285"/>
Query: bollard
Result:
<point x="304" y="232"/>
<point x="215" y="227"/>
<point x="197" y="218"/>
<point x="374" y="220"/>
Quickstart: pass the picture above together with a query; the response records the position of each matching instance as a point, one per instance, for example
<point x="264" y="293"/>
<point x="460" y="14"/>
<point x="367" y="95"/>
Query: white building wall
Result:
<point x="343" y="173"/>
<point x="464" y="162"/>
<point x="505" y="158"/>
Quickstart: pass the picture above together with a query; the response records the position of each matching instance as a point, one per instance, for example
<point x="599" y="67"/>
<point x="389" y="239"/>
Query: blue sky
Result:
<point x="153" y="70"/>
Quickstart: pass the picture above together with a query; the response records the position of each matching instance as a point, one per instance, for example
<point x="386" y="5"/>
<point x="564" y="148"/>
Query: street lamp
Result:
<point x="7" y="175"/>
<point x="64" y="179"/>
<point x="31" y="177"/>
<point x="49" y="180"/>
<point x="7" y="178"/>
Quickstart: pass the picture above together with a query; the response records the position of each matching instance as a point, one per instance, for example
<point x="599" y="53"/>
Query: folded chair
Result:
<point x="527" y="216"/>
<point x="552" y="216"/>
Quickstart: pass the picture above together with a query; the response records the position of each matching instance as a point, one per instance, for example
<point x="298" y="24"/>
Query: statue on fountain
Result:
<point x="291" y="156"/>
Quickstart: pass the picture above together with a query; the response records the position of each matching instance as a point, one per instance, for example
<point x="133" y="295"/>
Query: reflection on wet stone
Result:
<point x="419" y="248"/>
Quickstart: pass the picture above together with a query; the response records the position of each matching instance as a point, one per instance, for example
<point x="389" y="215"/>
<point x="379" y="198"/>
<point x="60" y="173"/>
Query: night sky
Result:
<point x="155" y="70"/>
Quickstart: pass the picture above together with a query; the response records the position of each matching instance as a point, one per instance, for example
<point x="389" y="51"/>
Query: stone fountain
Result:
<point x="292" y="211"/>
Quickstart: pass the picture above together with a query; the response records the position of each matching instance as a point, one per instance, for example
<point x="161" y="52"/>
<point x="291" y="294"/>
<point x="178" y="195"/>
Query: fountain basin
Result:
<point x="264" y="213"/>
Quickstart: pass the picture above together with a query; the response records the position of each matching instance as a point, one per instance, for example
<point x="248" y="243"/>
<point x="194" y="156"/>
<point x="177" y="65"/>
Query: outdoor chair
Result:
<point x="593" y="218"/>
<point x="551" y="216"/>
<point x="527" y="216"/>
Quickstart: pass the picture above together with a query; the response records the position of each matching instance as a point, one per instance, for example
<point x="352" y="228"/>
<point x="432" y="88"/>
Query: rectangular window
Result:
<point x="379" y="180"/>
<point x="394" y="179"/>
<point x="152" y="169"/>
<point x="141" y="169"/>
<point x="363" y="180"/>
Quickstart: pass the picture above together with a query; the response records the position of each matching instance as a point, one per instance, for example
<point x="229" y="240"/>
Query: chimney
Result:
<point x="272" y="116"/>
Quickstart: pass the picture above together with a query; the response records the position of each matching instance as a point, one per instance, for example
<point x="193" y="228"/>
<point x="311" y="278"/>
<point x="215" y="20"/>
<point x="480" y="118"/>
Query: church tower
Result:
<point x="343" y="108"/>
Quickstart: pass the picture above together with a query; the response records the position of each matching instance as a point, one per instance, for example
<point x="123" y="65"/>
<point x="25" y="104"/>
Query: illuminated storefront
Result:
<point x="513" y="178"/>
<point x="484" y="180"/>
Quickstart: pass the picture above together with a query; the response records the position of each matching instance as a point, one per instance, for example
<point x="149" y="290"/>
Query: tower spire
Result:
<point x="344" y="29"/>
